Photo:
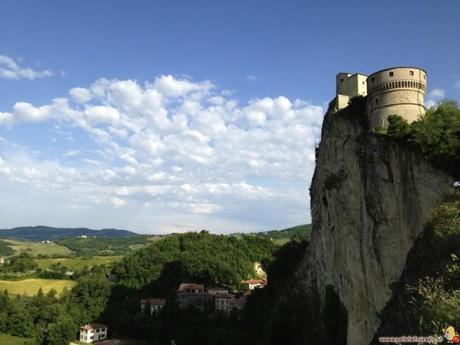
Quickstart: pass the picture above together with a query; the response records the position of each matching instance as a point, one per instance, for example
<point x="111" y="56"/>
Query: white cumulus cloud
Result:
<point x="182" y="148"/>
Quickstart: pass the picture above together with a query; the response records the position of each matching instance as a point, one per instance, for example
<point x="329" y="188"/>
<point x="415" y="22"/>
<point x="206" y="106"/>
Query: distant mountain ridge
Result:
<point x="47" y="233"/>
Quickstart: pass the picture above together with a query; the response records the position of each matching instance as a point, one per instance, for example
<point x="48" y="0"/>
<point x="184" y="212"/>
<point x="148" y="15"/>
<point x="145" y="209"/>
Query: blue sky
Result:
<point x="176" y="115"/>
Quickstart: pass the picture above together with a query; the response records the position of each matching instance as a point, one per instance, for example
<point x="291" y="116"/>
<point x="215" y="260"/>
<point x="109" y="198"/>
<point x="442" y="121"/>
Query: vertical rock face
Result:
<point x="370" y="199"/>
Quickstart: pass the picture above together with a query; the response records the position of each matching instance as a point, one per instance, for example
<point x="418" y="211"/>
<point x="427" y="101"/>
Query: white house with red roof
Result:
<point x="93" y="332"/>
<point x="255" y="283"/>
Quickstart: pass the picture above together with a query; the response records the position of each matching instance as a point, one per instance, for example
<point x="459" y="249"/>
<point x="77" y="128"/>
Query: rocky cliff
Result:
<point x="370" y="199"/>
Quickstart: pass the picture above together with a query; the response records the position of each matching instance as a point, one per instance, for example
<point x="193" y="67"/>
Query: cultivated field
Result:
<point x="78" y="263"/>
<point x="30" y="287"/>
<point x="10" y="340"/>
<point x="37" y="248"/>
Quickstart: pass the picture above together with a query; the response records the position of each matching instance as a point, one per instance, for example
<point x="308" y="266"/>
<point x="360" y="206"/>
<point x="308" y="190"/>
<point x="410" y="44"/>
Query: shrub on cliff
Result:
<point x="436" y="134"/>
<point x="427" y="298"/>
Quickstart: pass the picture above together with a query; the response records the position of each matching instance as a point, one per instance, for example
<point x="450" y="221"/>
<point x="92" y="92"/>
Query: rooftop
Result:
<point x="226" y="295"/>
<point x="254" y="281"/>
<point x="190" y="286"/>
<point x="396" y="67"/>
<point x="154" y="301"/>
<point x="91" y="326"/>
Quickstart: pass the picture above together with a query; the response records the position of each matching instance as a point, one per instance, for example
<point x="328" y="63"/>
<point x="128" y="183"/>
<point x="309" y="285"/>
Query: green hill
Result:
<point x="105" y="246"/>
<point x="203" y="257"/>
<point x="295" y="232"/>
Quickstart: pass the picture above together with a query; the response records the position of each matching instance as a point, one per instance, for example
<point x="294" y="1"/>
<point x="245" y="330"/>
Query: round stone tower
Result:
<point x="396" y="91"/>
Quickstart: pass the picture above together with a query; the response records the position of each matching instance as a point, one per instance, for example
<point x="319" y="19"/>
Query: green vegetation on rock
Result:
<point x="436" y="135"/>
<point x="427" y="298"/>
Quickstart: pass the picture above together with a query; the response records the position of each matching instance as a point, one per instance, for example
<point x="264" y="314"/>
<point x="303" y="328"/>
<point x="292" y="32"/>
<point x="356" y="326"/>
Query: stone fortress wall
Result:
<point x="396" y="91"/>
<point x="392" y="91"/>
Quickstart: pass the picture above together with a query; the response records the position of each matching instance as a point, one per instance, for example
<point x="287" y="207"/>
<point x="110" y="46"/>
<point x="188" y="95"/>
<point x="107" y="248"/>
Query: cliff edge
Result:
<point x="370" y="199"/>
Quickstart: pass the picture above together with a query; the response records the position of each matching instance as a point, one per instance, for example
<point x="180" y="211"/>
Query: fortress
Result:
<point x="392" y="91"/>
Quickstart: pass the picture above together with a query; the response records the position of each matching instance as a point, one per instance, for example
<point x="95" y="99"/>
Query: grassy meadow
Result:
<point x="30" y="287"/>
<point x="78" y="262"/>
<point x="10" y="340"/>
<point x="38" y="248"/>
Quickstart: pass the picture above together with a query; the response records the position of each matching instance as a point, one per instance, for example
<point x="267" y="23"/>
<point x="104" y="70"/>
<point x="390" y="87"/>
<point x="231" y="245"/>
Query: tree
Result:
<point x="436" y="135"/>
<point x="61" y="332"/>
<point x="90" y="297"/>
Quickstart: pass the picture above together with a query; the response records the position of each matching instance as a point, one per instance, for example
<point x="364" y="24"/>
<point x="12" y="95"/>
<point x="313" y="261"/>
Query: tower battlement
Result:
<point x="396" y="91"/>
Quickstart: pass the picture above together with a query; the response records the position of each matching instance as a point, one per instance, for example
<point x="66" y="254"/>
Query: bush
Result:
<point x="436" y="135"/>
<point x="427" y="298"/>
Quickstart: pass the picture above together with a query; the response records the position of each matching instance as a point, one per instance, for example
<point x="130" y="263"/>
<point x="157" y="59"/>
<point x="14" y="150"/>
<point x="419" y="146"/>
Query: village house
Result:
<point x="239" y="303"/>
<point x="255" y="283"/>
<point x="190" y="288"/>
<point x="2" y="260"/>
<point x="217" y="291"/>
<point x="213" y="299"/>
<point x="191" y="294"/>
<point x="224" y="303"/>
<point x="93" y="332"/>
<point x="152" y="305"/>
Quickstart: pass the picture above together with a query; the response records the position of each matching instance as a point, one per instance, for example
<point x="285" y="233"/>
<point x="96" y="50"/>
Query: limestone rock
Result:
<point x="370" y="199"/>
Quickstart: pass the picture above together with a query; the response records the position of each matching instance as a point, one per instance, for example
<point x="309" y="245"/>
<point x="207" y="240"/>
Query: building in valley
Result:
<point x="224" y="303"/>
<point x="255" y="283"/>
<point x="193" y="295"/>
<point x="152" y="305"/>
<point x="93" y="332"/>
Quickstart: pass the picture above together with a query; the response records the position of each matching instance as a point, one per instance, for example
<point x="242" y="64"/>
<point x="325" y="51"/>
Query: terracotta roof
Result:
<point x="254" y="281"/>
<point x="154" y="301"/>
